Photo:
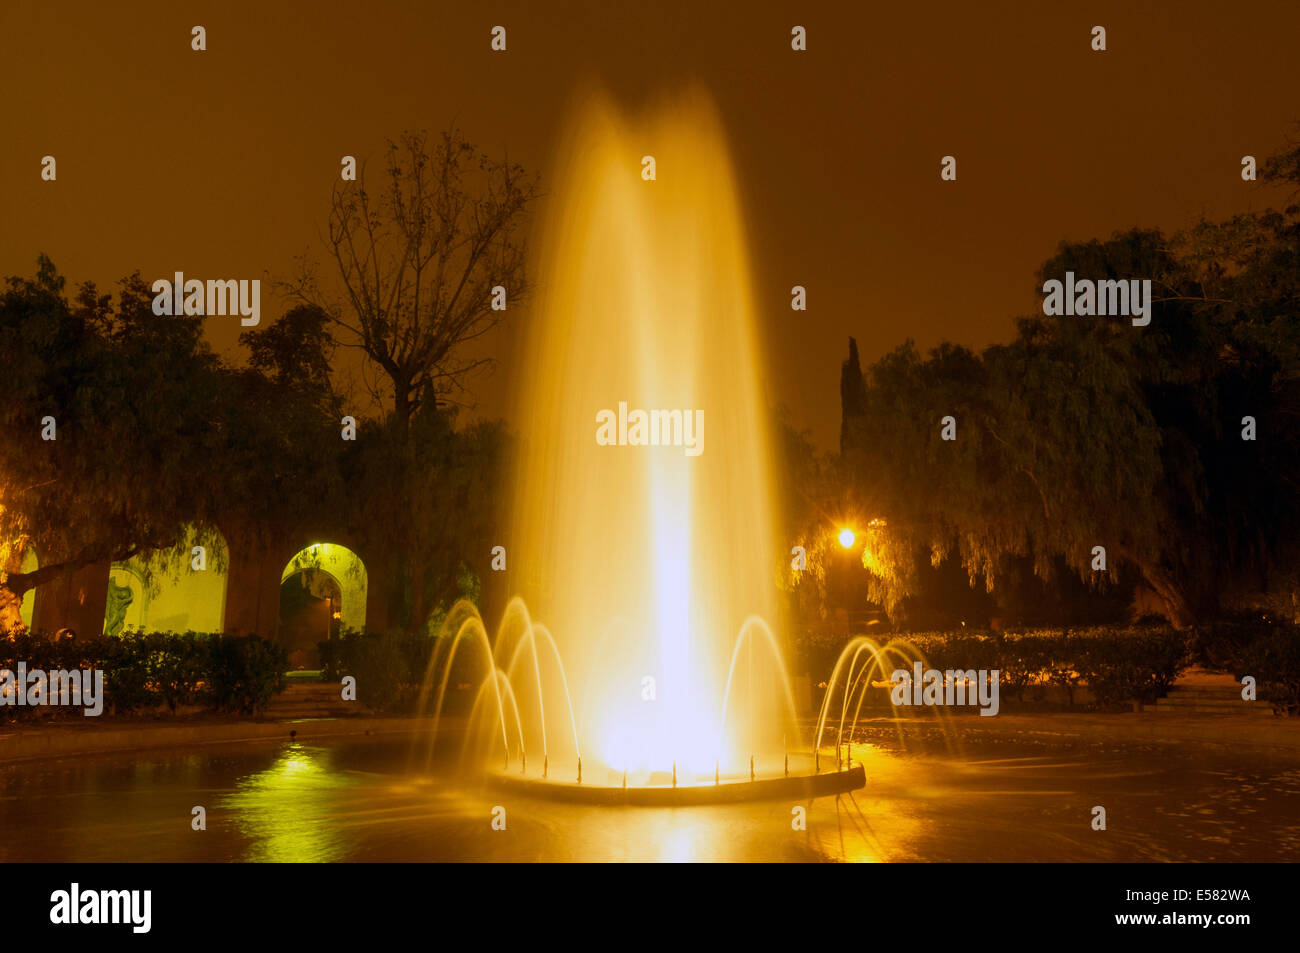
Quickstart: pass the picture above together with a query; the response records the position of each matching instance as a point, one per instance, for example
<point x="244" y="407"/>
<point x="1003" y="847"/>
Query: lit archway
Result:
<point x="177" y="591"/>
<point x="29" y="564"/>
<point x="322" y="593"/>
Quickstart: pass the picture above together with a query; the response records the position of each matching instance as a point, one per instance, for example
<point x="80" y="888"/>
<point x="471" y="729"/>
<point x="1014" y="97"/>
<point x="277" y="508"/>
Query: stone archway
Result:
<point x="323" y="590"/>
<point x="30" y="563"/>
<point x="181" y="591"/>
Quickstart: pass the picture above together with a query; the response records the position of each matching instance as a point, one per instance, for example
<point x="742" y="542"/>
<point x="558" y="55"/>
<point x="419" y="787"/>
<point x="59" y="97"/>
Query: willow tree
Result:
<point x="126" y="437"/>
<point x="1249" y="269"/>
<point x="1089" y="434"/>
<point x="105" y="415"/>
<point x="1050" y="458"/>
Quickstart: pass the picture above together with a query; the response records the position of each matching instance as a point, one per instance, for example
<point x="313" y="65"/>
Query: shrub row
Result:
<point x="389" y="667"/>
<point x="1121" y="666"/>
<point x="157" y="669"/>
<point x="1271" y="655"/>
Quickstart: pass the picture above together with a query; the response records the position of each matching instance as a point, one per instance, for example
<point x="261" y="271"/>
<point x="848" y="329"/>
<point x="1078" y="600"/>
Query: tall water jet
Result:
<point x="646" y="561"/>
<point x="641" y="527"/>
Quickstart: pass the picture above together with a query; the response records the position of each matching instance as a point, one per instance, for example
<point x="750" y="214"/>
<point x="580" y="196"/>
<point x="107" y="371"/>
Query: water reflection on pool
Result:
<point x="358" y="800"/>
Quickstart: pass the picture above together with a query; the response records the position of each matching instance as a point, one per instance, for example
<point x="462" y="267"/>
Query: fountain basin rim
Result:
<point x="800" y="787"/>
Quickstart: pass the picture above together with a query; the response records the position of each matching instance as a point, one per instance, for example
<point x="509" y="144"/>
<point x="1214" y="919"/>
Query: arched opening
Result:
<point x="322" y="593"/>
<point x="181" y="590"/>
<point x="29" y="564"/>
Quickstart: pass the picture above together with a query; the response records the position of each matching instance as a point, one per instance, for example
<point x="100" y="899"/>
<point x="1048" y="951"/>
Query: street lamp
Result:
<point x="847" y="538"/>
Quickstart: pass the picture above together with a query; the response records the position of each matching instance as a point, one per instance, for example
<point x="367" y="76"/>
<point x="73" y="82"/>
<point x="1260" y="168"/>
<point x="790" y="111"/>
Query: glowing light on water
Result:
<point x="286" y="810"/>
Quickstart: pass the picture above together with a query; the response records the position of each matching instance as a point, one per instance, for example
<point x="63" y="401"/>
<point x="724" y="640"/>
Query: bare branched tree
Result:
<point x="418" y="258"/>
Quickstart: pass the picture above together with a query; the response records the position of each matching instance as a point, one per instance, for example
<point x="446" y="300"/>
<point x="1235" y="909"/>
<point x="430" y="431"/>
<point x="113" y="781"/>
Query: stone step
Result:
<point x="340" y="707"/>
<point x="1202" y="677"/>
<point x="1207" y="691"/>
<point x="310" y="700"/>
<point x="1252" y="715"/>
<point x="330" y="692"/>
<point x="1214" y="706"/>
<point x="1223" y="708"/>
<point x="307" y="689"/>
<point x="296" y="703"/>
<point x="297" y="713"/>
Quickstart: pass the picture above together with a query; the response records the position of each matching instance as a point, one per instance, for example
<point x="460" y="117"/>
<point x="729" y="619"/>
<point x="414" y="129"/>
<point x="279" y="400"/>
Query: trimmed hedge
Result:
<point x="389" y="667"/>
<point x="1135" y="666"/>
<point x="157" y="669"/>
<point x="1271" y="655"/>
<point x="1121" y="666"/>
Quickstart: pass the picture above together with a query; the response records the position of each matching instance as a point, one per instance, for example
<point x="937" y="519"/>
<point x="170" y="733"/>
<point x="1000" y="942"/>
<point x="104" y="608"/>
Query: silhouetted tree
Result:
<point x="1086" y="431"/>
<point x="429" y="496"/>
<point x="157" y="442"/>
<point x="130" y="393"/>
<point x="417" y="258"/>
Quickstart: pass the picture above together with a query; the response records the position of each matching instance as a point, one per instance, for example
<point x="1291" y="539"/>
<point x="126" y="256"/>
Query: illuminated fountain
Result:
<point x="653" y="566"/>
<point x="863" y="665"/>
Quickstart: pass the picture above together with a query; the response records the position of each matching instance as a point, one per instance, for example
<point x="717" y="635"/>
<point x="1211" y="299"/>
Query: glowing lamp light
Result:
<point x="846" y="537"/>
